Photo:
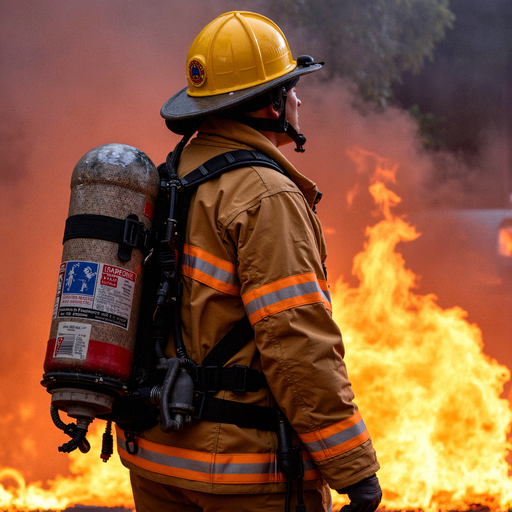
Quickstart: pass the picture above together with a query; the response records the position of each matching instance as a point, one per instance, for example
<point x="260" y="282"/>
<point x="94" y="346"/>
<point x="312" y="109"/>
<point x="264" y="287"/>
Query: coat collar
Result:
<point x="219" y="131"/>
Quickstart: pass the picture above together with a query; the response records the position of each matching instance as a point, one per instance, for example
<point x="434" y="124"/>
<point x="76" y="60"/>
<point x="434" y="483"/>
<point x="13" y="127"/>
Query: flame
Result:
<point x="92" y="482"/>
<point x="505" y="241"/>
<point x="429" y="395"/>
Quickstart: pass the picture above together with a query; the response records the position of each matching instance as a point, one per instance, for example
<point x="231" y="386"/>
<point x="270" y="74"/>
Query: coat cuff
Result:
<point x="350" y="467"/>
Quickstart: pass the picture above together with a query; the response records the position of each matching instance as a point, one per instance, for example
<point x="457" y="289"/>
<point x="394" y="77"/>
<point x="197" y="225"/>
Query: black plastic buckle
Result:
<point x="132" y="230"/>
<point x="207" y="378"/>
<point x="240" y="380"/>
<point x="199" y="399"/>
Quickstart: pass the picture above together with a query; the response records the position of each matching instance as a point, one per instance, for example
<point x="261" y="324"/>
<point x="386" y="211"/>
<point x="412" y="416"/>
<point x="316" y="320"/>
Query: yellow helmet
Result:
<point x="236" y="51"/>
<point x="236" y="57"/>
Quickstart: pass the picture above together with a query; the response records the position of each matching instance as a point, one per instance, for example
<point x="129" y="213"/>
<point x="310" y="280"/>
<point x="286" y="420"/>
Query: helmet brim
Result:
<point x="182" y="107"/>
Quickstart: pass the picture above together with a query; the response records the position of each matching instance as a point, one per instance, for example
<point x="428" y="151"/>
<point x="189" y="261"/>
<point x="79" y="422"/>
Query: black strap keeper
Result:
<point x="206" y="379"/>
<point x="132" y="231"/>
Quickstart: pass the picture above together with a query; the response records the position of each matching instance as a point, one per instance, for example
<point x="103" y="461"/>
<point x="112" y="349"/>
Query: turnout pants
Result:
<point x="152" y="496"/>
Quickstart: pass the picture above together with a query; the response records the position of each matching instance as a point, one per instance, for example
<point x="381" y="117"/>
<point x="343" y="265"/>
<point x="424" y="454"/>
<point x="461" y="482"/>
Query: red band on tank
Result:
<point x="104" y="359"/>
<point x="149" y="210"/>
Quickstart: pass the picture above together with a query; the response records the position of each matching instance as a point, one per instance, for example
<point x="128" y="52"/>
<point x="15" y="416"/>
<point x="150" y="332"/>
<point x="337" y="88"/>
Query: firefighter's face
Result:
<point x="292" y="108"/>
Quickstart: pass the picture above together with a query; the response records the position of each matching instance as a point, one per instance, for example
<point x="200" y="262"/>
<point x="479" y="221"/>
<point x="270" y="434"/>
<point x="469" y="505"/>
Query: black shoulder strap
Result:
<point x="241" y="333"/>
<point x="228" y="162"/>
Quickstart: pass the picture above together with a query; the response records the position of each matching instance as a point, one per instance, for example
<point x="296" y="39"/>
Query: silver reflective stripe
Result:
<point x="175" y="462"/>
<point x="337" y="439"/>
<point x="213" y="271"/>
<point x="251" y="468"/>
<point x="327" y="295"/>
<point x="207" y="468"/>
<point x="289" y="292"/>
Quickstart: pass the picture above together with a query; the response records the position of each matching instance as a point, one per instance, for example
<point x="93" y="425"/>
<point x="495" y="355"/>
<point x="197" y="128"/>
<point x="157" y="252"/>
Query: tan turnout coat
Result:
<point x="255" y="247"/>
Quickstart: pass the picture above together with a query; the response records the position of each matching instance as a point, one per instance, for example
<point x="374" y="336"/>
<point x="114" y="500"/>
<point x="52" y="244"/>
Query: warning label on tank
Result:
<point x="72" y="340"/>
<point x="95" y="291"/>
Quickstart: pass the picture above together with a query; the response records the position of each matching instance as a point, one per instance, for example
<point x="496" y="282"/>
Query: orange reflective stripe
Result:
<point x="208" y="269"/>
<point x="286" y="293"/>
<point x="336" y="439"/>
<point x="208" y="467"/>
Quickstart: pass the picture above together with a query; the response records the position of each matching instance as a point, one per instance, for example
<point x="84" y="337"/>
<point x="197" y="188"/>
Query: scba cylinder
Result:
<point x="93" y="331"/>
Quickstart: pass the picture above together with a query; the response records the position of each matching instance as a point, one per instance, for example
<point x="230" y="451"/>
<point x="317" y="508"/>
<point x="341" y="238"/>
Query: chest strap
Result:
<point x="235" y="413"/>
<point x="211" y="376"/>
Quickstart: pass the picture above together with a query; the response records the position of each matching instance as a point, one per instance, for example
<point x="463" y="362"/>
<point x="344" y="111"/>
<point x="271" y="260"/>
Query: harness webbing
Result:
<point x="228" y="162"/>
<point x="211" y="376"/>
<point x="228" y="346"/>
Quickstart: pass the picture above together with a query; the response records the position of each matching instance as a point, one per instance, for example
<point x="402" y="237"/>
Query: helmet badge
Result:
<point x="196" y="72"/>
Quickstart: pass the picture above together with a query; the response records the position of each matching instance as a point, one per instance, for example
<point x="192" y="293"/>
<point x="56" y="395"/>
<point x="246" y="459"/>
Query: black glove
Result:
<point x="364" y="496"/>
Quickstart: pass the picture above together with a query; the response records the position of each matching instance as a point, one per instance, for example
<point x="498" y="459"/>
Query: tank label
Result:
<point x="95" y="291"/>
<point x="72" y="340"/>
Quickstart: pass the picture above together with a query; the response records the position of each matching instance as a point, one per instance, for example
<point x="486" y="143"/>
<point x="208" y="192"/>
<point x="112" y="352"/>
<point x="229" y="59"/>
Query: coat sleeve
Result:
<point x="287" y="300"/>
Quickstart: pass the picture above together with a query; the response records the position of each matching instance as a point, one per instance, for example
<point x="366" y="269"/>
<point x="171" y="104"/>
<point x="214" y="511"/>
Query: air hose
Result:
<point x="74" y="431"/>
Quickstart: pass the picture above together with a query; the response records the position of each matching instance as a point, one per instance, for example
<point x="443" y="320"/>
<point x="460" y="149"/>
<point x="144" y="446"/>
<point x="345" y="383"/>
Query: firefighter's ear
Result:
<point x="272" y="112"/>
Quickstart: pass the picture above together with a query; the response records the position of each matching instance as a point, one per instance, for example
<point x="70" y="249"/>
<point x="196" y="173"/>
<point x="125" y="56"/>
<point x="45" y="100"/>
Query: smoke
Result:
<point x="76" y="75"/>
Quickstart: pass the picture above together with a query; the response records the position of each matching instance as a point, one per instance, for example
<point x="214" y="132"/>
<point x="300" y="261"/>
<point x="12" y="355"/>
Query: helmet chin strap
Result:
<point x="280" y="125"/>
<point x="297" y="137"/>
<point x="279" y="103"/>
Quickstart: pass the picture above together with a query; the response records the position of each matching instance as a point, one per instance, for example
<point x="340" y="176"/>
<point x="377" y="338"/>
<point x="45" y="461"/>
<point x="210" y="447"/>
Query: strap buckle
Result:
<point x="207" y="378"/>
<point x="199" y="400"/>
<point x="132" y="231"/>
<point x="240" y="380"/>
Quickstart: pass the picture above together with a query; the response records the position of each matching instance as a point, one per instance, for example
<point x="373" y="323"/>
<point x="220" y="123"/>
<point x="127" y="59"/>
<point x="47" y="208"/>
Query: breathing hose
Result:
<point x="77" y="433"/>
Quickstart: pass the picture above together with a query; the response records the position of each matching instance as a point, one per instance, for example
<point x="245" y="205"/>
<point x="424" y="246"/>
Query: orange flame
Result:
<point x="92" y="482"/>
<point x="429" y="395"/>
<point x="505" y="241"/>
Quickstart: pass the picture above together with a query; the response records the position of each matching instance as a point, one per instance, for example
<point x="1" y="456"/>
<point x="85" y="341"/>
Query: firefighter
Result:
<point x="254" y="250"/>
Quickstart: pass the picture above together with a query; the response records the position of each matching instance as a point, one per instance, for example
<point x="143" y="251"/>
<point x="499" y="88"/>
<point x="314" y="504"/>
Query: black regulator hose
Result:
<point x="107" y="444"/>
<point x="78" y="434"/>
<point x="76" y="442"/>
<point x="54" y="412"/>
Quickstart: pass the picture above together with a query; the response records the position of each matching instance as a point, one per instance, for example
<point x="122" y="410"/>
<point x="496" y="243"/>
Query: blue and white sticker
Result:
<point x="95" y="291"/>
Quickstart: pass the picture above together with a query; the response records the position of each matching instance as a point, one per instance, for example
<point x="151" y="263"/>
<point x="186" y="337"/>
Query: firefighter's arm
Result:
<point x="288" y="304"/>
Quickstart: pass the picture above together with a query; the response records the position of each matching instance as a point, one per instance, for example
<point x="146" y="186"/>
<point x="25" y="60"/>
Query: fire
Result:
<point x="429" y="395"/>
<point x="505" y="238"/>
<point x="92" y="483"/>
